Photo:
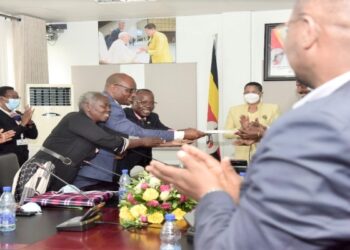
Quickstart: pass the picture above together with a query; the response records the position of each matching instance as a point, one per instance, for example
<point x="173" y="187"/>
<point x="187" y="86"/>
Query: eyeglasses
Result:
<point x="129" y="90"/>
<point x="144" y="103"/>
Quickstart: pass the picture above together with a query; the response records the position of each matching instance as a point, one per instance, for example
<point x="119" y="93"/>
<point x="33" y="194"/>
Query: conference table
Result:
<point x="39" y="232"/>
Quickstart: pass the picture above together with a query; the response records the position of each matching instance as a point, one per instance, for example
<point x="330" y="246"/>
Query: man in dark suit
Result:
<point x="296" y="191"/>
<point x="21" y="123"/>
<point x="141" y="113"/>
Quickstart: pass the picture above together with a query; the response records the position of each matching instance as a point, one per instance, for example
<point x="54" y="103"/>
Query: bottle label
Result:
<point x="122" y="192"/>
<point x="7" y="220"/>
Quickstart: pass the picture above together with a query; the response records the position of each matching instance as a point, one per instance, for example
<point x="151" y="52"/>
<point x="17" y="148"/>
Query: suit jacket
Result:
<point x="29" y="131"/>
<point x="132" y="157"/>
<point x="158" y="48"/>
<point x="76" y="136"/>
<point x="296" y="192"/>
<point x="118" y="122"/>
<point x="266" y="113"/>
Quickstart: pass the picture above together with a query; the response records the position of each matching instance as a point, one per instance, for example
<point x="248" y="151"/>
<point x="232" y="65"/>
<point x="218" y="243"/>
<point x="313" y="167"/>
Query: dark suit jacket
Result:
<point x="76" y="136"/>
<point x="29" y="131"/>
<point x="296" y="192"/>
<point x="132" y="157"/>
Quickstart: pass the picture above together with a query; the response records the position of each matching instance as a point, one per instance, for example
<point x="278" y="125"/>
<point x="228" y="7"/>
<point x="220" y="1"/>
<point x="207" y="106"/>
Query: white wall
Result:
<point x="239" y="54"/>
<point x="78" y="45"/>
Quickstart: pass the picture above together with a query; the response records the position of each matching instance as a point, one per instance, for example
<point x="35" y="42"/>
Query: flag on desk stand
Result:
<point x="213" y="107"/>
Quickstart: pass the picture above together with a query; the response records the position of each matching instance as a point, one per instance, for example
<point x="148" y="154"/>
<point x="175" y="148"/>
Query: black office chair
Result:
<point x="8" y="168"/>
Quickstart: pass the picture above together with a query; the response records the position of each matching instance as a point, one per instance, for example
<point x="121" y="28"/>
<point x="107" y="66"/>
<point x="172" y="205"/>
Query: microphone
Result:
<point x="101" y="168"/>
<point x="134" y="172"/>
<point x="79" y="223"/>
<point x="61" y="180"/>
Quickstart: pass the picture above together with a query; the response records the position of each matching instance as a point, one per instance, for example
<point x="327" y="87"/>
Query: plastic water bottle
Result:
<point x="124" y="180"/>
<point x="170" y="235"/>
<point x="7" y="211"/>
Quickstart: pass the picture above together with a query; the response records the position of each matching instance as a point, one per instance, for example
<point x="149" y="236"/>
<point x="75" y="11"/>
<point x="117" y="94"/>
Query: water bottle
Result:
<point x="170" y="235"/>
<point x="124" y="180"/>
<point x="7" y="211"/>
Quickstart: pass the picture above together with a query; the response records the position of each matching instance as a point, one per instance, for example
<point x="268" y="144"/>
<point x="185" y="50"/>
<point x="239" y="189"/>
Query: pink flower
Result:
<point x="131" y="199"/>
<point x="183" y="198"/>
<point x="153" y="203"/>
<point x="164" y="188"/>
<point x="166" y="205"/>
<point x="143" y="218"/>
<point x="144" y="186"/>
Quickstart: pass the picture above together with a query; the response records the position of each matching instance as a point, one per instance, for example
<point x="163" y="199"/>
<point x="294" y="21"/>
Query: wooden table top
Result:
<point x="40" y="233"/>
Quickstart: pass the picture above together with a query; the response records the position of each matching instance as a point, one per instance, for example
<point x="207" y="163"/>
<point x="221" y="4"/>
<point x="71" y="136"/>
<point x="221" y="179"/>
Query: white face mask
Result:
<point x="251" y="98"/>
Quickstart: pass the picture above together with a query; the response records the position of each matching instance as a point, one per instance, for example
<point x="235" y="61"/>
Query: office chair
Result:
<point x="8" y="168"/>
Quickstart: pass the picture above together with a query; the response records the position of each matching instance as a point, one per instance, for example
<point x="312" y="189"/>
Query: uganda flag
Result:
<point x="213" y="108"/>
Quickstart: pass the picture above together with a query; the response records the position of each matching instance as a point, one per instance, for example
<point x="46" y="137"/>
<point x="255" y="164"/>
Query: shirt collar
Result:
<point x="140" y="117"/>
<point x="324" y="90"/>
<point x="6" y="112"/>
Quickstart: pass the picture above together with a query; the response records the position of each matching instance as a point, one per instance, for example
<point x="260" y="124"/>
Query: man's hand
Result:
<point x="6" y="136"/>
<point x="142" y="50"/>
<point x="27" y="116"/>
<point x="202" y="173"/>
<point x="151" y="141"/>
<point x="193" y="134"/>
<point x="145" y="142"/>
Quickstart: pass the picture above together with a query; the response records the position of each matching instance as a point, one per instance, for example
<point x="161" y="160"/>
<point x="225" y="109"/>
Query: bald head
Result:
<point x="318" y="40"/>
<point x="119" y="78"/>
<point x="330" y="12"/>
<point x="121" y="87"/>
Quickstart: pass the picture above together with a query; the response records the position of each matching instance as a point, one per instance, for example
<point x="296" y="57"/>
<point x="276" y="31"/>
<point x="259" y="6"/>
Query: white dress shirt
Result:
<point x="324" y="90"/>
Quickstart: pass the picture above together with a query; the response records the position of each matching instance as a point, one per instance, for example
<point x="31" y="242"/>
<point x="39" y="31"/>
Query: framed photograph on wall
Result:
<point x="276" y="65"/>
<point x="128" y="48"/>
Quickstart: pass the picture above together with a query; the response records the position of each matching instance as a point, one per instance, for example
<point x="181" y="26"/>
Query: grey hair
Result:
<point x="89" y="97"/>
<point x="123" y="33"/>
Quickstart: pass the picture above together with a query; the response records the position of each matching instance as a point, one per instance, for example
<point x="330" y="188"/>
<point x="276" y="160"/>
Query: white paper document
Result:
<point x="221" y="131"/>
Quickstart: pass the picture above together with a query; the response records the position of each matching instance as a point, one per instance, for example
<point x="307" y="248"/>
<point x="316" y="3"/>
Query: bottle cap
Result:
<point x="169" y="217"/>
<point x="125" y="171"/>
<point x="6" y="189"/>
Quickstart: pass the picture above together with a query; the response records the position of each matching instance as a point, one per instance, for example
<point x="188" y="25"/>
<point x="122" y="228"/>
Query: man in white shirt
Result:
<point x="119" y="52"/>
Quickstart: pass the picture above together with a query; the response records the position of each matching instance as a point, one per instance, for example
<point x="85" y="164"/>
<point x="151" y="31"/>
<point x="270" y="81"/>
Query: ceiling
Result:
<point x="88" y="10"/>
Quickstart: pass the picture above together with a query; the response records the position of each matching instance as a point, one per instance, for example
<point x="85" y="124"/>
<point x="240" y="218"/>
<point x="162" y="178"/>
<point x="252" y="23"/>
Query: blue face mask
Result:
<point x="12" y="104"/>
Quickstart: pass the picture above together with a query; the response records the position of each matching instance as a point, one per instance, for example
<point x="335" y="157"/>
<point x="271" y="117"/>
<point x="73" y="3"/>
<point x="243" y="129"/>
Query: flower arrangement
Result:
<point x="147" y="200"/>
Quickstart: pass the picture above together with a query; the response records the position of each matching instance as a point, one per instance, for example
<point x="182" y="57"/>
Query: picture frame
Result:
<point x="276" y="65"/>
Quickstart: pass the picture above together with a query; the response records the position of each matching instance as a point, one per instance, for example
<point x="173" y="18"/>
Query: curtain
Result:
<point x="30" y="53"/>
<point x="6" y="52"/>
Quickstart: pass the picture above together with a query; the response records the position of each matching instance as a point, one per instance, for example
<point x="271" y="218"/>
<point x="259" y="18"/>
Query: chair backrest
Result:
<point x="8" y="168"/>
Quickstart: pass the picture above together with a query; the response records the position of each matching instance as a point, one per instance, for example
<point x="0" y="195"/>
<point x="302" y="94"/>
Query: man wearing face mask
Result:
<point x="252" y="111"/>
<point x="21" y="123"/>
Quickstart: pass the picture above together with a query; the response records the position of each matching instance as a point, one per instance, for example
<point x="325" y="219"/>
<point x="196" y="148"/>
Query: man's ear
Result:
<point x="309" y="32"/>
<point x="86" y="107"/>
